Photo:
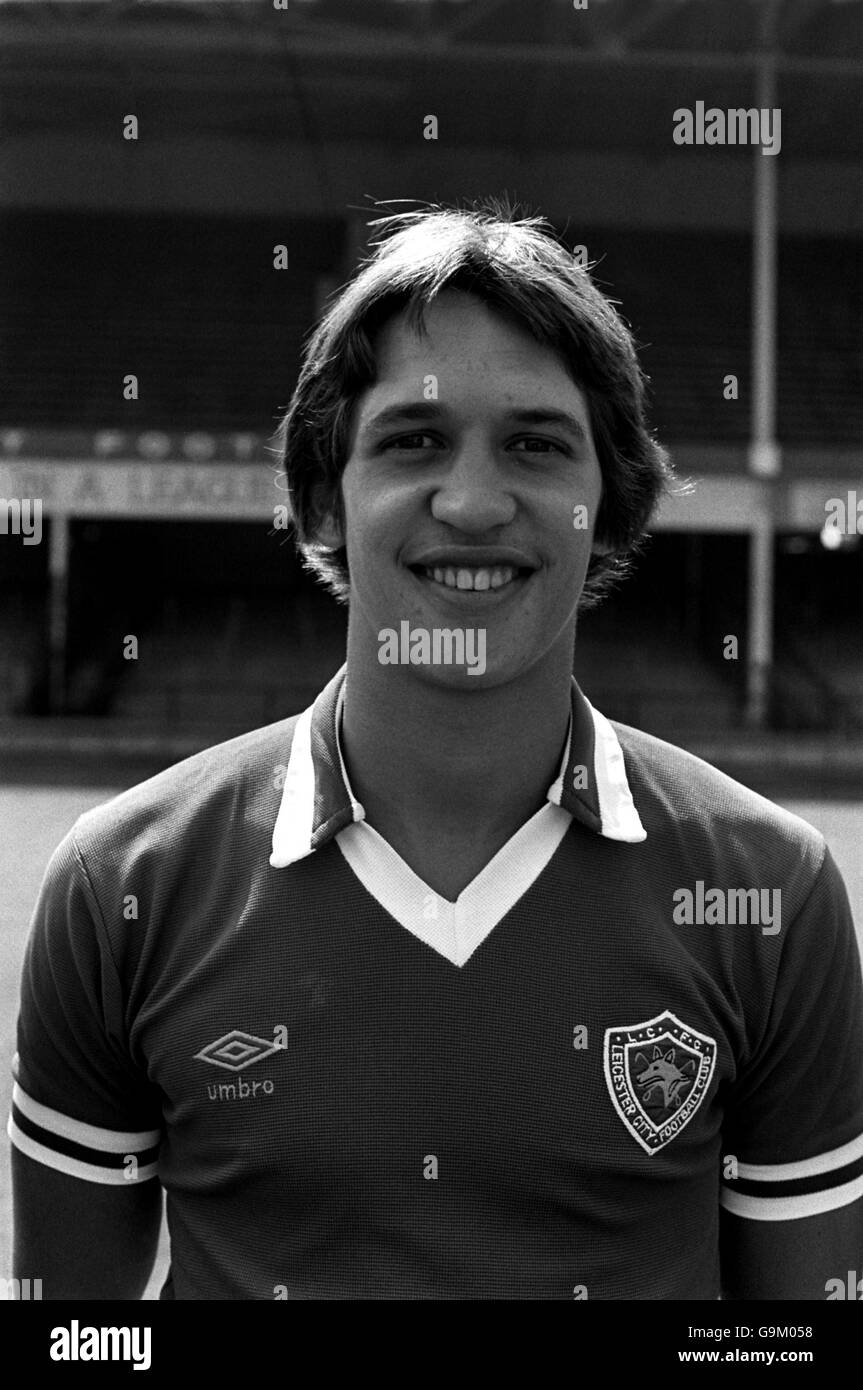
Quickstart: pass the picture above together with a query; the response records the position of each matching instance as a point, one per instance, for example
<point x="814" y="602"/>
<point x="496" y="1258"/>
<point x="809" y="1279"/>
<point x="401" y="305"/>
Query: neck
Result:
<point x="427" y="754"/>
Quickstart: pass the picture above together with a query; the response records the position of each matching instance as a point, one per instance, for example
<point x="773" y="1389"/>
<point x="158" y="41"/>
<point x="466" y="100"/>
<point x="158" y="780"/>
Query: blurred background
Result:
<point x="153" y="155"/>
<point x="258" y="127"/>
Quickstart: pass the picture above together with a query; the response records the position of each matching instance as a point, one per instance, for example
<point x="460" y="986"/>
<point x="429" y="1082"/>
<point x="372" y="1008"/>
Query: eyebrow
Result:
<point x="423" y="411"/>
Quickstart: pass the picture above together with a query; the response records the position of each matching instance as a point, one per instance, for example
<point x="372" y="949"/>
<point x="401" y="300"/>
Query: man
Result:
<point x="448" y="988"/>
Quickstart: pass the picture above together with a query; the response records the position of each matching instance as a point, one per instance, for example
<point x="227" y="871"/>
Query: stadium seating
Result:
<point x="194" y="308"/>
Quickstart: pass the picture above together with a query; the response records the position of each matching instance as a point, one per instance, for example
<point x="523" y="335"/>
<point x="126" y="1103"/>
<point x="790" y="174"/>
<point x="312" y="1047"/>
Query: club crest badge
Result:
<point x="657" y="1074"/>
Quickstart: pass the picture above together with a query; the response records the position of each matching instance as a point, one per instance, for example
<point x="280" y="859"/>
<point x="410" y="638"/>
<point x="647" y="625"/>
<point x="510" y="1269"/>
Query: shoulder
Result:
<point x="689" y="807"/>
<point x="186" y="809"/>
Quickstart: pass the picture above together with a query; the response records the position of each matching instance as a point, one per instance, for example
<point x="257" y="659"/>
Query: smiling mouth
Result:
<point x="473" y="578"/>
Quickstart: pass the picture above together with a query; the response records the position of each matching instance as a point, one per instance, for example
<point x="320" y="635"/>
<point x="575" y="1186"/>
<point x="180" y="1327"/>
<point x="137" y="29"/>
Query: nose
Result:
<point x="472" y="496"/>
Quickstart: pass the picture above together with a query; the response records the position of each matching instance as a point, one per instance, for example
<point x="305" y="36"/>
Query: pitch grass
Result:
<point x="33" y="820"/>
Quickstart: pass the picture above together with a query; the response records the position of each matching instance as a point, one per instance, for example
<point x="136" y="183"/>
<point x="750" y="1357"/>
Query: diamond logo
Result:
<point x="237" y="1050"/>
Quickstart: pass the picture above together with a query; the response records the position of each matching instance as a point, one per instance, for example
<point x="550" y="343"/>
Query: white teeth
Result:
<point x="478" y="579"/>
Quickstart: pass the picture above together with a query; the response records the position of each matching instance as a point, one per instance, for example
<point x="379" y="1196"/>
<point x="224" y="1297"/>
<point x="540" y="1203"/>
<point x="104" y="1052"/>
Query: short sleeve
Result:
<point x="794" y="1118"/>
<point x="79" y="1103"/>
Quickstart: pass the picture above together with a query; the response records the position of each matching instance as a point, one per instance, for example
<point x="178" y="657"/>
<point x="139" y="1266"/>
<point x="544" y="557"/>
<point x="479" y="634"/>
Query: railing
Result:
<point x="803" y="698"/>
<point x="203" y="701"/>
<point x="800" y="698"/>
<point x="667" y="708"/>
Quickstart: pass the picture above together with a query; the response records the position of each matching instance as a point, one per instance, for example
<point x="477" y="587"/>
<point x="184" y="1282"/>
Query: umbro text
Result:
<point x="240" y="1090"/>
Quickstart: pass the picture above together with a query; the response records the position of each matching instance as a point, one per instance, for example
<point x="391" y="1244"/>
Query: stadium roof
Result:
<point x="711" y="33"/>
<point x="515" y="72"/>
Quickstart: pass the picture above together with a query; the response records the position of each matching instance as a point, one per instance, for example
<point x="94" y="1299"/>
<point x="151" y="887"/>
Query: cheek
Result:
<point x="359" y="516"/>
<point x="374" y="529"/>
<point x="385" y="514"/>
<point x="584" y="511"/>
<point x="572" y="524"/>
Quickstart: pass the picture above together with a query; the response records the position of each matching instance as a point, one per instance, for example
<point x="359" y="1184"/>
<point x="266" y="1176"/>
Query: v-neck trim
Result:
<point x="454" y="929"/>
<point x="317" y="802"/>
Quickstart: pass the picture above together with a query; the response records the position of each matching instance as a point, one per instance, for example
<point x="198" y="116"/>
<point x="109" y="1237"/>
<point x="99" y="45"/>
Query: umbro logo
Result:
<point x="237" y="1050"/>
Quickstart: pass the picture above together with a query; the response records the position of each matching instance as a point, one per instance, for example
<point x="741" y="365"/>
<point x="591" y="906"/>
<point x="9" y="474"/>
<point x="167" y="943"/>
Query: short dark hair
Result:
<point x="518" y="267"/>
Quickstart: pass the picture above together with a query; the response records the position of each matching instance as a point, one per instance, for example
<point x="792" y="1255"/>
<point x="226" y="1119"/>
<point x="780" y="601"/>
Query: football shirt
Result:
<point x="350" y="1087"/>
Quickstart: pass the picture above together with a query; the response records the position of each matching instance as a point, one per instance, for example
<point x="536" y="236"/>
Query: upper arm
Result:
<point x="82" y="1239"/>
<point x="85" y="1122"/>
<point x="792" y="1190"/>
<point x="792" y="1259"/>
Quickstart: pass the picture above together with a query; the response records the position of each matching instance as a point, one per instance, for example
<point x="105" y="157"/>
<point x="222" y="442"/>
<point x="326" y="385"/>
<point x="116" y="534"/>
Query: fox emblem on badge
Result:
<point x="663" y="1075"/>
<point x="658" y="1074"/>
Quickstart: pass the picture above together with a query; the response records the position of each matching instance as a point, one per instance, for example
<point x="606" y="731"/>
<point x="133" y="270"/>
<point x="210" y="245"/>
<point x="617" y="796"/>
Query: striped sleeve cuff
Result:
<point x="789" y="1191"/>
<point x="81" y="1150"/>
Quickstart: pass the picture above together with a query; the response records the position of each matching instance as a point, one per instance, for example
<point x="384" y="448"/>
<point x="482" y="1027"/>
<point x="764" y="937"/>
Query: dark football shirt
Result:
<point x="352" y="1088"/>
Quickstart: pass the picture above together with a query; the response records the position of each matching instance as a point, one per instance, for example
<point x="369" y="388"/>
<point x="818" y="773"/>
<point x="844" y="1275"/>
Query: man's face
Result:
<point x="471" y="490"/>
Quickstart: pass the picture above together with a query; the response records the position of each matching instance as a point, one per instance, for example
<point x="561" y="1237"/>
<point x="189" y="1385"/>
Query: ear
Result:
<point x="327" y="530"/>
<point x="328" y="533"/>
<point x="601" y="548"/>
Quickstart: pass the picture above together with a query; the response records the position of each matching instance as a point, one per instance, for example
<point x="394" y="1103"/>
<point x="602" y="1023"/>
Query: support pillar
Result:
<point x="759" y="648"/>
<point x="58" y="611"/>
<point x="764" y="453"/>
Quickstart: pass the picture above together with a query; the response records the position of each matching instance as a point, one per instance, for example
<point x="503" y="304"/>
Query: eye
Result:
<point x="408" y="442"/>
<point x="544" y="445"/>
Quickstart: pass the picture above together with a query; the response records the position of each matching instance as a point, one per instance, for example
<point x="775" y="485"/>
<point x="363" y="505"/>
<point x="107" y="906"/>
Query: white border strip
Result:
<point x="292" y="833"/>
<point x="790" y="1208"/>
<point x="75" y="1167"/>
<point x="804" y="1167"/>
<point x="112" y="1141"/>
<point x="620" y="820"/>
<point x="555" y="791"/>
<point x="358" y="811"/>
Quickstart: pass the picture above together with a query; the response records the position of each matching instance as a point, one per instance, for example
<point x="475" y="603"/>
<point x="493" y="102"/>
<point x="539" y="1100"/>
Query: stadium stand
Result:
<point x="217" y="345"/>
<point x="164" y="268"/>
